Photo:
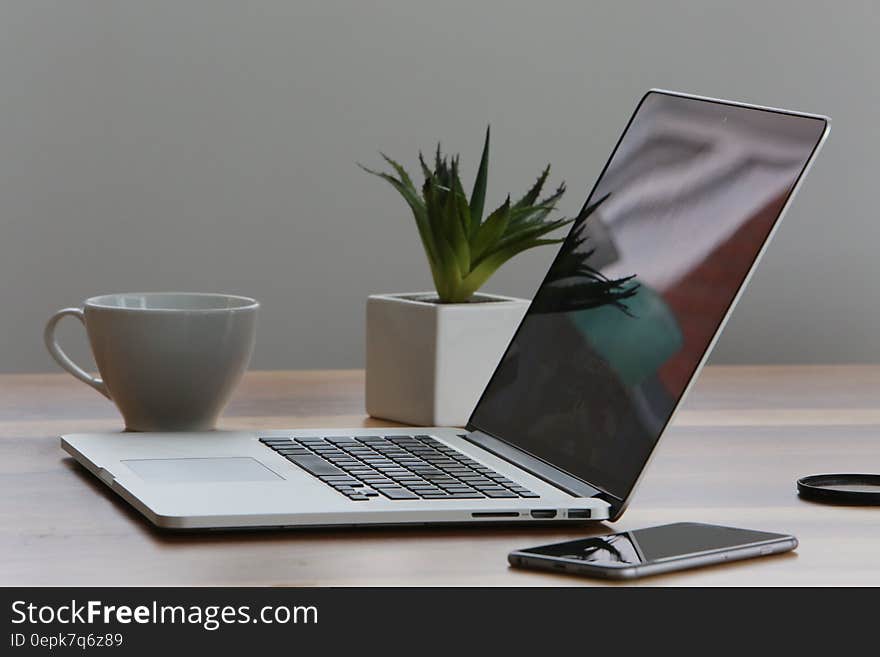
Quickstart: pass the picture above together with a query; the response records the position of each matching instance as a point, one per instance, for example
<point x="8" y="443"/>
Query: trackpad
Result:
<point x="179" y="471"/>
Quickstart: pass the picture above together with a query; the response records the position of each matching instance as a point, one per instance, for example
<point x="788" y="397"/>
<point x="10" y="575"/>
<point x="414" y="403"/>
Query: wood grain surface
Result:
<point x="732" y="457"/>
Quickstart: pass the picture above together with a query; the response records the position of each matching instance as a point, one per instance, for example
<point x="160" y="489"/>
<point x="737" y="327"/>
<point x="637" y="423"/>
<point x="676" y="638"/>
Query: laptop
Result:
<point x="612" y="341"/>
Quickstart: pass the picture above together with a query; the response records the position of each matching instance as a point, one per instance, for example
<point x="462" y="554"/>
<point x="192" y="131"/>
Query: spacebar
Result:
<point x="316" y="465"/>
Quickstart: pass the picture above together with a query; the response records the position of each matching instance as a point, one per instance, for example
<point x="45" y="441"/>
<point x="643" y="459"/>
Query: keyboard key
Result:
<point x="398" y="494"/>
<point x="315" y="465"/>
<point x="341" y="440"/>
<point x="499" y="493"/>
<point x="339" y="481"/>
<point x="292" y="450"/>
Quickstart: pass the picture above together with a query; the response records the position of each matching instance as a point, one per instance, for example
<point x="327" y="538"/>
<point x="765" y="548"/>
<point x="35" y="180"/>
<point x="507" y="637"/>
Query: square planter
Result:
<point x="428" y="363"/>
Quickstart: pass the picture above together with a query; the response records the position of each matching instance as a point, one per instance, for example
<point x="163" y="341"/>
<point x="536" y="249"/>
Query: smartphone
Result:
<point x="651" y="551"/>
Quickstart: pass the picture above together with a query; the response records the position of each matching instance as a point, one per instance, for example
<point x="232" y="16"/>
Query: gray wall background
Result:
<point x="211" y="145"/>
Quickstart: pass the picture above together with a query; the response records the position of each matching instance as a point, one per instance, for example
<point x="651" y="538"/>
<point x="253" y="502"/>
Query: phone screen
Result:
<point x="653" y="544"/>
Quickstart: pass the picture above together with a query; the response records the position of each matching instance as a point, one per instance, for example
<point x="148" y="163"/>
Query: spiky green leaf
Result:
<point x="532" y="195"/>
<point x="478" y="195"/>
<point x="462" y="208"/>
<point x="491" y="230"/>
<point x="417" y="206"/>
<point x="483" y="271"/>
<point x="530" y="215"/>
<point x="401" y="172"/>
<point x="524" y="235"/>
<point x="455" y="234"/>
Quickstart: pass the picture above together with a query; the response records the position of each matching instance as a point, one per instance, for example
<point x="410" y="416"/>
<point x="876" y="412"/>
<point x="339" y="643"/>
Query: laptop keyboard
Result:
<point x="395" y="467"/>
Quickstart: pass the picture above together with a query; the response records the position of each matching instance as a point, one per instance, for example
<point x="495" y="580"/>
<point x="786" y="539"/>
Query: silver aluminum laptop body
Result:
<point x="226" y="480"/>
<point x="260" y="488"/>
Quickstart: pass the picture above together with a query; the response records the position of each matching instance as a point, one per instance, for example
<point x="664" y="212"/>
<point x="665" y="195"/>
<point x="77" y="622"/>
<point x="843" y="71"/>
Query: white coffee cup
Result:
<point x="168" y="360"/>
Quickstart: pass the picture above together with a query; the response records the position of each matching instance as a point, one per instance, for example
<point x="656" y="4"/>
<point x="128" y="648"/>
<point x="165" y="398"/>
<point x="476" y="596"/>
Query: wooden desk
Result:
<point x="732" y="457"/>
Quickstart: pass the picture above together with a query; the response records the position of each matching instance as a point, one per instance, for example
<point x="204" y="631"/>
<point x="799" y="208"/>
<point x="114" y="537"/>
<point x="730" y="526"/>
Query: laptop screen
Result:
<point x="642" y="284"/>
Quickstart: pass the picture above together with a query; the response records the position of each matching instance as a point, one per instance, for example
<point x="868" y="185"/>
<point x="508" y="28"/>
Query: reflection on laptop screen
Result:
<point x="642" y="283"/>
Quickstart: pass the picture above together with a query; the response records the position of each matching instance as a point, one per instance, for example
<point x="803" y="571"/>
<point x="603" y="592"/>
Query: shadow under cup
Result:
<point x="169" y="361"/>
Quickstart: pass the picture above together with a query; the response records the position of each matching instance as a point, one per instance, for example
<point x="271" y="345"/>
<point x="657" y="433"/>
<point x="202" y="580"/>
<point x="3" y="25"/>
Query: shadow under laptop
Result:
<point x="504" y="536"/>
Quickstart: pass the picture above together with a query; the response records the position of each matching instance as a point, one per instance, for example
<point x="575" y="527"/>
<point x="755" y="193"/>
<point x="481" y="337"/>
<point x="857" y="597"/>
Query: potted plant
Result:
<point x="430" y="354"/>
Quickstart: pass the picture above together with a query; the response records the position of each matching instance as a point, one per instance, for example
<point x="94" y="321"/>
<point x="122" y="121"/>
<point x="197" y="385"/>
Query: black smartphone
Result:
<point x="651" y="551"/>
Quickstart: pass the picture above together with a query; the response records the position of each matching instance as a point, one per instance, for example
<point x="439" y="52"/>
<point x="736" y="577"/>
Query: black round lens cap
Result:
<point x="863" y="489"/>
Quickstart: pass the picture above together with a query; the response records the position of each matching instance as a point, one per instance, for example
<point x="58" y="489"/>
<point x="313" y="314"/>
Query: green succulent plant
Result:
<point x="462" y="247"/>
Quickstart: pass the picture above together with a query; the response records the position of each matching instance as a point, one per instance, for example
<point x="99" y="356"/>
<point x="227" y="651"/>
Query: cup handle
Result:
<point x="63" y="359"/>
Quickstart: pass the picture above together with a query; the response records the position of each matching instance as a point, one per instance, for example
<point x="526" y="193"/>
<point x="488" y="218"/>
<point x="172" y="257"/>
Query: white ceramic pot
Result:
<point x="427" y="363"/>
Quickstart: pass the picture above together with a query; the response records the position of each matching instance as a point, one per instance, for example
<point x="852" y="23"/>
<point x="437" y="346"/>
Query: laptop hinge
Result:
<point x="530" y="464"/>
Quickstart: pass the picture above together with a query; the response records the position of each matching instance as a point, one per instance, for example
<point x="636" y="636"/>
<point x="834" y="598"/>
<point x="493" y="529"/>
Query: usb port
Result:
<point x="544" y="513"/>
<point x="579" y="514"/>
